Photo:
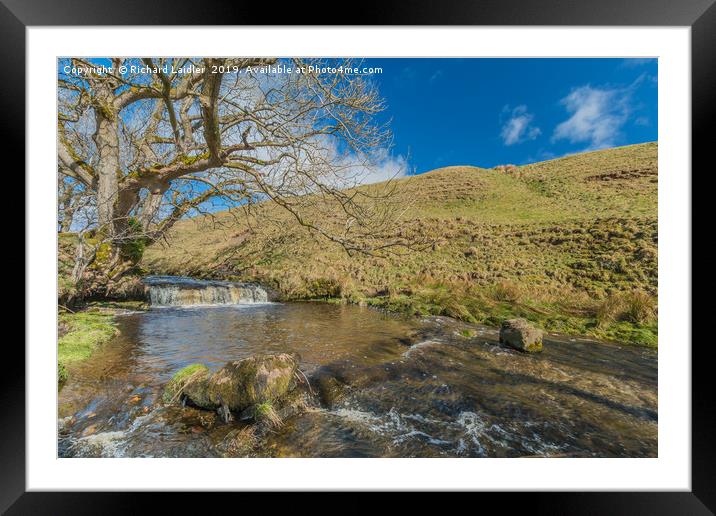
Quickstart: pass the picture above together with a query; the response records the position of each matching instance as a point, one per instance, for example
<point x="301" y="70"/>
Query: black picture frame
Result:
<point x="700" y="15"/>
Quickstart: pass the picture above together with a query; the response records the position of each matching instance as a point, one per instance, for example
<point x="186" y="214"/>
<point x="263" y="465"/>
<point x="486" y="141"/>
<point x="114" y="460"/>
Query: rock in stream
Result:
<point x="521" y="335"/>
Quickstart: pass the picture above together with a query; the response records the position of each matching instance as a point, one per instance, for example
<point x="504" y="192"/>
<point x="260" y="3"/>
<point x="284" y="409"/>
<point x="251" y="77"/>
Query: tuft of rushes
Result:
<point x="266" y="413"/>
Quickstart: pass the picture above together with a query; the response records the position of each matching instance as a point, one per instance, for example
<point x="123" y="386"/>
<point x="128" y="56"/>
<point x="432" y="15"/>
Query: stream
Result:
<point x="406" y="387"/>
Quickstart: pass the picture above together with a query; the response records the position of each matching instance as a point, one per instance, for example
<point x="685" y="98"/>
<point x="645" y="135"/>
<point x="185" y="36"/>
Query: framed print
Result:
<point x="438" y="250"/>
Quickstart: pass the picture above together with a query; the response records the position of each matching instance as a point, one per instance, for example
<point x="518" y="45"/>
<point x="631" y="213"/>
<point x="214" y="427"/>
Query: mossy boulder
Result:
<point x="252" y="381"/>
<point x="521" y="335"/>
<point x="190" y="381"/>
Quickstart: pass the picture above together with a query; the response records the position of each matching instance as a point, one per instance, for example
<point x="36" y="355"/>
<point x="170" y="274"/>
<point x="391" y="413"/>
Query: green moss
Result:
<point x="263" y="408"/>
<point x="87" y="331"/>
<point x="180" y="378"/>
<point x="627" y="332"/>
<point x="187" y="371"/>
<point x="133" y="248"/>
<point x="190" y="160"/>
<point x="267" y="414"/>
<point x="103" y="255"/>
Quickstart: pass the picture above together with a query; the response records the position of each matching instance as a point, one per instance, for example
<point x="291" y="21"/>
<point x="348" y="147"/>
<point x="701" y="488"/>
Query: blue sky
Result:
<point x="486" y="112"/>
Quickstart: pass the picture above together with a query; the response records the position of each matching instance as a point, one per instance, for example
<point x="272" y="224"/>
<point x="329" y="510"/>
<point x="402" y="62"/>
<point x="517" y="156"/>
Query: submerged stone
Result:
<point x="521" y="335"/>
<point x="330" y="389"/>
<point x="239" y="442"/>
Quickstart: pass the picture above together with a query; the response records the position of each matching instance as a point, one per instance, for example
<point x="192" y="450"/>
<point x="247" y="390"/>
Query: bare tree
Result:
<point x="154" y="140"/>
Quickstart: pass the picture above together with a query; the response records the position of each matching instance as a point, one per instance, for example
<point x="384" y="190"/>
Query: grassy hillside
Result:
<point x="569" y="243"/>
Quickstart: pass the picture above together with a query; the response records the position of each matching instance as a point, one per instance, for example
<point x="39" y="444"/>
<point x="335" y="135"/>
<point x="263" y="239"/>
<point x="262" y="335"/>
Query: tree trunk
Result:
<point x="114" y="203"/>
<point x="107" y="140"/>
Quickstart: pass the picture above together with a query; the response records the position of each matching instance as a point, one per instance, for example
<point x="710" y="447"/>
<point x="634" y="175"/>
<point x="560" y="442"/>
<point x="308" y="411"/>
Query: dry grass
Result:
<point x="506" y="291"/>
<point x="554" y="239"/>
<point x="266" y="413"/>
<point x="240" y="443"/>
<point x="636" y="307"/>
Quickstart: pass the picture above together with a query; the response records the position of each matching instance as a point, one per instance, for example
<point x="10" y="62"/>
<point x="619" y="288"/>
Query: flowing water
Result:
<point x="399" y="387"/>
<point x="183" y="291"/>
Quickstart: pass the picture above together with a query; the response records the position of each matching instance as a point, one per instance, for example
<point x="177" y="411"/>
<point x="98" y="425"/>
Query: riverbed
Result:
<point x="404" y="387"/>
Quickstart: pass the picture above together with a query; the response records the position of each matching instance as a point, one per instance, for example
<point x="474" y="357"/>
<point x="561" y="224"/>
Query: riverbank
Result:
<point x="81" y="332"/>
<point x="628" y="318"/>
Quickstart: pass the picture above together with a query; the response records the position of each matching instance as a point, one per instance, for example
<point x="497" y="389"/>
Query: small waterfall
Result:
<point x="183" y="291"/>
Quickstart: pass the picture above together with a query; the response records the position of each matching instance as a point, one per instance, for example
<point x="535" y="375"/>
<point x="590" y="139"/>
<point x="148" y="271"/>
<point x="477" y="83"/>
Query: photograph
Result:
<point x="435" y="250"/>
<point x="357" y="257"/>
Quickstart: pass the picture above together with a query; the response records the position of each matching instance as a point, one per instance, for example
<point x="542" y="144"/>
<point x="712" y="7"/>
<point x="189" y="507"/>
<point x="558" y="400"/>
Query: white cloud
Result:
<point x="518" y="128"/>
<point x="380" y="167"/>
<point x="346" y="169"/>
<point x="390" y="168"/>
<point x="597" y="116"/>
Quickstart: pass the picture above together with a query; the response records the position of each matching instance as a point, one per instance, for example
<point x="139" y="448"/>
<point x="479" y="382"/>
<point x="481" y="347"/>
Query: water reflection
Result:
<point x="403" y="387"/>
